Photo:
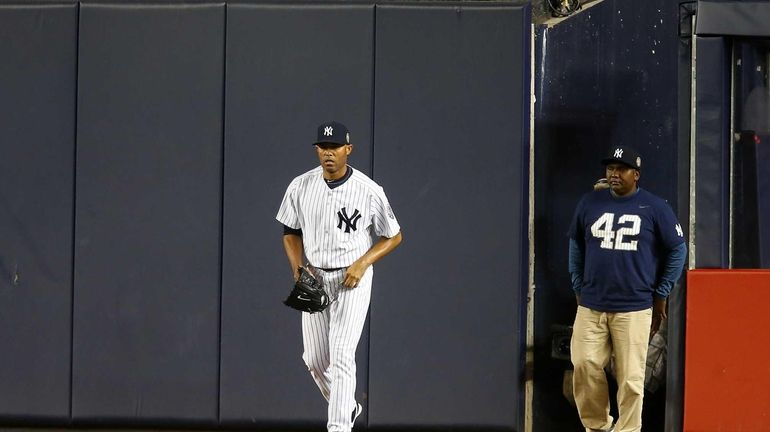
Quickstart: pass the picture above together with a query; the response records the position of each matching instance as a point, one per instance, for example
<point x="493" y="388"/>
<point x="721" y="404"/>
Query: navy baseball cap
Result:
<point x="333" y="133"/>
<point x="625" y="155"/>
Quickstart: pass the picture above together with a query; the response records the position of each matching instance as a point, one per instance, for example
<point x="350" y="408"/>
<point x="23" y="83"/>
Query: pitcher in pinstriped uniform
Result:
<point x="330" y="215"/>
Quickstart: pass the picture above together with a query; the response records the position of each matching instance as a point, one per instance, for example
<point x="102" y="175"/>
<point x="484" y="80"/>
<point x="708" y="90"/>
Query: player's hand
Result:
<point x="577" y="297"/>
<point x="658" y="314"/>
<point x="354" y="273"/>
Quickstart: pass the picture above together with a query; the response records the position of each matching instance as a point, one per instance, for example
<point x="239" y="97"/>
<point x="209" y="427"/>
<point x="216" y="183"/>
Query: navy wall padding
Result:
<point x="733" y="18"/>
<point x="450" y="96"/>
<point x="38" y="46"/>
<point x="712" y="161"/>
<point x="746" y="216"/>
<point x="763" y="203"/>
<point x="289" y="68"/>
<point x="751" y="126"/>
<point x="148" y="208"/>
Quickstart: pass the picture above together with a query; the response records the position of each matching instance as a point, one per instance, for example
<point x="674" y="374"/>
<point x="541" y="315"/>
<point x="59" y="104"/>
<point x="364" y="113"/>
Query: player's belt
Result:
<point x="331" y="269"/>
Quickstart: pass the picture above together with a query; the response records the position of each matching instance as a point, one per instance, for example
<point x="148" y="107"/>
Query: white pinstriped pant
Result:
<point x="330" y="339"/>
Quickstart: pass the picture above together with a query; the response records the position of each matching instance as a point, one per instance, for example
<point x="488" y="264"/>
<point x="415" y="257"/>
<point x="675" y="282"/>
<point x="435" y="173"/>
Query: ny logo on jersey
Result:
<point x="618" y="153"/>
<point x="328" y="131"/>
<point x="350" y="221"/>
<point x="679" y="231"/>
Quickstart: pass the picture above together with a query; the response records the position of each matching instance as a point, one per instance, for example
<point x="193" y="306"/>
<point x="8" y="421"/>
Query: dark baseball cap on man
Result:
<point x="333" y="133"/>
<point x="625" y="155"/>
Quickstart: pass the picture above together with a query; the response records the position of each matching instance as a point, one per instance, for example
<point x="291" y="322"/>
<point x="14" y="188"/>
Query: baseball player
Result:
<point x="331" y="213"/>
<point x="626" y="251"/>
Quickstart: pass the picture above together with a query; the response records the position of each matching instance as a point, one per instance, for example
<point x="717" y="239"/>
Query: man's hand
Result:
<point x="577" y="297"/>
<point x="354" y="273"/>
<point x="658" y="314"/>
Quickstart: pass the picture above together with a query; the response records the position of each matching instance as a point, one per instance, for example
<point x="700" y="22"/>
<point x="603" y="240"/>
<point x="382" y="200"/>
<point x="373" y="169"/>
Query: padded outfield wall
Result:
<point x="146" y="147"/>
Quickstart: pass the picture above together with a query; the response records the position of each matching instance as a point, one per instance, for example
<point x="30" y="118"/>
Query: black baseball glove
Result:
<point x="308" y="294"/>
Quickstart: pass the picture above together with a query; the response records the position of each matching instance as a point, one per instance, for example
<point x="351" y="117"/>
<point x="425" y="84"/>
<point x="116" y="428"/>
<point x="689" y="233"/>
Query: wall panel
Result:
<point x="147" y="256"/>
<point x="450" y="138"/>
<point x="712" y="157"/>
<point x="38" y="46"/>
<point x="289" y="68"/>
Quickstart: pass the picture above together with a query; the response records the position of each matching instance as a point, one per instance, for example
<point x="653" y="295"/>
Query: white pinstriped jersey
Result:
<point x="337" y="224"/>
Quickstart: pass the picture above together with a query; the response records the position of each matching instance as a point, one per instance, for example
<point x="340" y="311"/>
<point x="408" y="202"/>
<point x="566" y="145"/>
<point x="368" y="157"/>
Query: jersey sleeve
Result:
<point x="287" y="213"/>
<point x="384" y="221"/>
<point x="668" y="227"/>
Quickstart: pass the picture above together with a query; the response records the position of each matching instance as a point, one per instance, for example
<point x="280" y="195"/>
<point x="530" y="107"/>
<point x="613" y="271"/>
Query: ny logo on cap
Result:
<point x="328" y="131"/>
<point x="618" y="153"/>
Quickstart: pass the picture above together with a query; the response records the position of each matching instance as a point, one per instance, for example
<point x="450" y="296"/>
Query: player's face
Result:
<point x="333" y="159"/>
<point x="622" y="178"/>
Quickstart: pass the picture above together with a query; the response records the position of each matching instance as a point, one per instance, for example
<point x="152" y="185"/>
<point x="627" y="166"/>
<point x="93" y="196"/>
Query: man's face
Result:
<point x="622" y="178"/>
<point x="333" y="157"/>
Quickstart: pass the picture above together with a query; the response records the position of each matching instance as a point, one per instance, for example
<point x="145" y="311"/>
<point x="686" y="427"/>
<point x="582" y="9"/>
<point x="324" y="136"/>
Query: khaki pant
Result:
<point x="595" y="337"/>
